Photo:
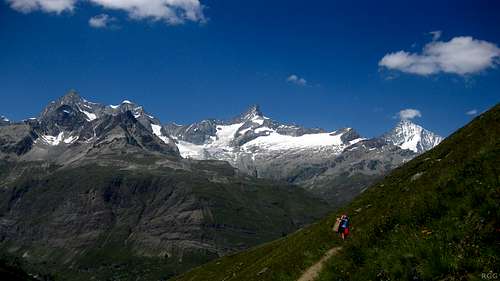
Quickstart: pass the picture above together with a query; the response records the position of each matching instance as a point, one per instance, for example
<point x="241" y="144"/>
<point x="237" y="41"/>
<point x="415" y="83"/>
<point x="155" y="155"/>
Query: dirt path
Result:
<point x="312" y="272"/>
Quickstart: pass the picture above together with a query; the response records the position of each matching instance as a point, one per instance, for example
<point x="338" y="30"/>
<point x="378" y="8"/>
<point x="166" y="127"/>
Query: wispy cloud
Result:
<point x="297" y="80"/>
<point x="170" y="11"/>
<point x="102" y="21"/>
<point x="409" y="113"/>
<point x="49" y="6"/>
<point x="471" y="112"/>
<point x="436" y="34"/>
<point x="461" y="55"/>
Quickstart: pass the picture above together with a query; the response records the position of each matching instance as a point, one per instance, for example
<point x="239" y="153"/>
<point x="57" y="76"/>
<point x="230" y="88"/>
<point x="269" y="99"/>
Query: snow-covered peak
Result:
<point x="253" y="111"/>
<point x="251" y="114"/>
<point x="409" y="135"/>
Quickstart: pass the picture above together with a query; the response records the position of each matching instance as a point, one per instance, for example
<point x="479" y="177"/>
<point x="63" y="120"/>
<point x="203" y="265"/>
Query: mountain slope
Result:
<point x="436" y="217"/>
<point x="128" y="216"/>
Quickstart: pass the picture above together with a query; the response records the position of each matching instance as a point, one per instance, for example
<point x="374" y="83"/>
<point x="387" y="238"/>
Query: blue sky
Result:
<point x="316" y="63"/>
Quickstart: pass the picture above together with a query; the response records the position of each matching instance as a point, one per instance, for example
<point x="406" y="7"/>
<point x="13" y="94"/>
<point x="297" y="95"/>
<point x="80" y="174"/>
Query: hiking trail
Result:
<point x="313" y="271"/>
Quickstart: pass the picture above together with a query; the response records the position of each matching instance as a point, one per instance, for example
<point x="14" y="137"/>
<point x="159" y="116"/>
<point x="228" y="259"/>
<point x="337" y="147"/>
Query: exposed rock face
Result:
<point x="16" y="139"/>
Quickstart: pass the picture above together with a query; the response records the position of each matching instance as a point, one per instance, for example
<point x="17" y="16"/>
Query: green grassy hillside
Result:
<point x="435" y="218"/>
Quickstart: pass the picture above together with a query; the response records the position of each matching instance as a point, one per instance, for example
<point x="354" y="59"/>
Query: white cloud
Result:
<point x="461" y="55"/>
<point x="49" y="6"/>
<point x="169" y="11"/>
<point x="436" y="34"/>
<point x="471" y="112"/>
<point x="295" y="79"/>
<point x="409" y="113"/>
<point x="101" y="21"/>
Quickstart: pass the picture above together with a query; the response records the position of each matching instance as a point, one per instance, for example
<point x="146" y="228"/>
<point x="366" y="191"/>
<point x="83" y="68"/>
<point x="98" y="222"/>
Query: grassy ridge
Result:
<point x="437" y="217"/>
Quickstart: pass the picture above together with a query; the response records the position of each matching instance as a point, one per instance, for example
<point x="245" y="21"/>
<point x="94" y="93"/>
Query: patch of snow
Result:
<point x="411" y="143"/>
<point x="127" y="102"/>
<point x="65" y="111"/>
<point x="190" y="150"/>
<point x="263" y="129"/>
<point x="114" y="106"/>
<point x="242" y="132"/>
<point x="410" y="135"/>
<point x="220" y="144"/>
<point x="275" y="141"/>
<point x="225" y="134"/>
<point x="56" y="140"/>
<point x="157" y="131"/>
<point x="354" y="141"/>
<point x="90" y="116"/>
<point x="70" y="139"/>
<point x="258" y="119"/>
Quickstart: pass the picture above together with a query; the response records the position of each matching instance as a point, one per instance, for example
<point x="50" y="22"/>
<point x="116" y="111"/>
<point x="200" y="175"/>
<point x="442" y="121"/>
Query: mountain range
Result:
<point x="109" y="192"/>
<point x="89" y="191"/>
<point x="335" y="165"/>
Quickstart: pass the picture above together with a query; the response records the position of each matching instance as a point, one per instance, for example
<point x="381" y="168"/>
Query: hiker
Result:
<point x="344" y="226"/>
